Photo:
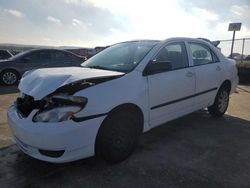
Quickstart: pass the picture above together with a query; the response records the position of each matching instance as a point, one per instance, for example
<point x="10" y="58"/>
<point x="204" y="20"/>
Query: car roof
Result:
<point x="201" y="40"/>
<point x="49" y="49"/>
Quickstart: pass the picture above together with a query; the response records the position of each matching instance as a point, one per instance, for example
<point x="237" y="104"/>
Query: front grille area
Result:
<point x="25" y="105"/>
<point x="50" y="153"/>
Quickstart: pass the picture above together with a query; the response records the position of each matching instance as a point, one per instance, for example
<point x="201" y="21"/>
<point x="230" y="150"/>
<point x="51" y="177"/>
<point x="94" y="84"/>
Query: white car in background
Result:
<point x="66" y="114"/>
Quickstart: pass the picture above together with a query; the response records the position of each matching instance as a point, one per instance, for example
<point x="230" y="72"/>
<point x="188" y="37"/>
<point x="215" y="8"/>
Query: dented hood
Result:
<point x="41" y="82"/>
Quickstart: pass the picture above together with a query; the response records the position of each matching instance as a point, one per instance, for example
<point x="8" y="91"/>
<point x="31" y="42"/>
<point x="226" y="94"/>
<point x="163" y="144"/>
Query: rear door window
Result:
<point x="202" y="54"/>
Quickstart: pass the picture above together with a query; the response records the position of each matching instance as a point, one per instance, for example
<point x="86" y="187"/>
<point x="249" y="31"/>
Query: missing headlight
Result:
<point x="25" y="104"/>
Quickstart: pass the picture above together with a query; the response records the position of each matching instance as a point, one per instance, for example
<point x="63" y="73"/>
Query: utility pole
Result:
<point x="242" y="53"/>
<point x="232" y="47"/>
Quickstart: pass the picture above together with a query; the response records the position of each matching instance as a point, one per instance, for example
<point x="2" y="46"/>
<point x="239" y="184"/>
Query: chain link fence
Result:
<point x="241" y="53"/>
<point x="241" y="50"/>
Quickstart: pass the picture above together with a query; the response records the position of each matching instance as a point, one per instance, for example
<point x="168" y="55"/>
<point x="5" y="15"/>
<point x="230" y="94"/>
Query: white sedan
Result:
<point x="66" y="114"/>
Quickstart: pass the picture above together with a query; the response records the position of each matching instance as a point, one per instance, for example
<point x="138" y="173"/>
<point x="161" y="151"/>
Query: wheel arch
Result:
<point x="131" y="107"/>
<point x="215" y="109"/>
<point x="10" y="69"/>
<point x="227" y="84"/>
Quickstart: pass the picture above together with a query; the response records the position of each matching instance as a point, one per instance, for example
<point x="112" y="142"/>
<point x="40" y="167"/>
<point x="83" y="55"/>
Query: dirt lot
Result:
<point x="7" y="96"/>
<point x="194" y="151"/>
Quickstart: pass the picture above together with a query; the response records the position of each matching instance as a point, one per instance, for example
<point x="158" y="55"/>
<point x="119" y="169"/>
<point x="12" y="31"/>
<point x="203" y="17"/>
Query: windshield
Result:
<point x="122" y="57"/>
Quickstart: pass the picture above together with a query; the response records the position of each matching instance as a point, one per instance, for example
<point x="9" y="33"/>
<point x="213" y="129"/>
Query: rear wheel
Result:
<point x="118" y="136"/>
<point x="221" y="102"/>
<point x="9" y="77"/>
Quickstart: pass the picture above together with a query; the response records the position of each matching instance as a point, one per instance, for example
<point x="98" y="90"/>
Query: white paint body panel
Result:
<point x="78" y="138"/>
<point x="205" y="81"/>
<point x="166" y="91"/>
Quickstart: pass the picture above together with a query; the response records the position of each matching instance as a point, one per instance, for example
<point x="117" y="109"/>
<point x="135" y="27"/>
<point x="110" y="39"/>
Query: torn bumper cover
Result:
<point x="54" y="142"/>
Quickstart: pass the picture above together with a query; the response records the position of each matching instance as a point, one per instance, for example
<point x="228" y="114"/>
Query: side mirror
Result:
<point x="84" y="58"/>
<point x="155" y="67"/>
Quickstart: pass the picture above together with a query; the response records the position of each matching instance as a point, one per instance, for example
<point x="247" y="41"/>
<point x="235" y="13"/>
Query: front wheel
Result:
<point x="118" y="136"/>
<point x="221" y="102"/>
<point x="9" y="77"/>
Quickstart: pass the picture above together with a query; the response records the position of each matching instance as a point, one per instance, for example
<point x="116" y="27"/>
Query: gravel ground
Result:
<point x="194" y="151"/>
<point x="7" y="96"/>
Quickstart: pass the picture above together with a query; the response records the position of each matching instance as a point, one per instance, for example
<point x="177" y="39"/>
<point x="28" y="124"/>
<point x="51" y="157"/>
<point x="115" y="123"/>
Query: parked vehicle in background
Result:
<point x="244" y="69"/>
<point x="236" y="56"/>
<point x="11" y="70"/>
<point x="65" y="114"/>
<point x="5" y="54"/>
<point x="247" y="58"/>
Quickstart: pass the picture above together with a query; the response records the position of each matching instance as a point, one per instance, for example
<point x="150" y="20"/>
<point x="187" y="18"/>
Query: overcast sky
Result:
<point x="102" y="22"/>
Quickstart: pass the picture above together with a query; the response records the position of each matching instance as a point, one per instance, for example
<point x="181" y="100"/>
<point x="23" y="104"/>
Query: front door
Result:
<point x="171" y="92"/>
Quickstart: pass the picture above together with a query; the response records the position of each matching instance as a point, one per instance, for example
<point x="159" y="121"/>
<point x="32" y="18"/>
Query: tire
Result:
<point x="118" y="136"/>
<point x="221" y="102"/>
<point x="9" y="77"/>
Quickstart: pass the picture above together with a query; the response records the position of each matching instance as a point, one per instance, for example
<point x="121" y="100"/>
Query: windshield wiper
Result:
<point x="97" y="67"/>
<point x="102" y="68"/>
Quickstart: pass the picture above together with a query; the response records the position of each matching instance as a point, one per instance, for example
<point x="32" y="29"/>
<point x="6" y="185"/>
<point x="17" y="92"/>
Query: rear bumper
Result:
<point x="76" y="139"/>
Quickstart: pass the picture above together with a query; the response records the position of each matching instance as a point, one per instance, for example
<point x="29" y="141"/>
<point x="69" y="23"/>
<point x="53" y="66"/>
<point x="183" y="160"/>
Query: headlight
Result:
<point x="60" y="108"/>
<point x="57" y="114"/>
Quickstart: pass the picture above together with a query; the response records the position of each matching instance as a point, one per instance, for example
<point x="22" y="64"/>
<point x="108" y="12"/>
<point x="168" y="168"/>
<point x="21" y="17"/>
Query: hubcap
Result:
<point x="223" y="101"/>
<point x="9" y="78"/>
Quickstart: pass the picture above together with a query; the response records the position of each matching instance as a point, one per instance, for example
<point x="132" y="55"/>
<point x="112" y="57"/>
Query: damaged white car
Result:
<point x="66" y="114"/>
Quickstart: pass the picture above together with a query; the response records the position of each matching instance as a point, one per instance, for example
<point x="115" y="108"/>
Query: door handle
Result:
<point x="189" y="74"/>
<point x="218" y="68"/>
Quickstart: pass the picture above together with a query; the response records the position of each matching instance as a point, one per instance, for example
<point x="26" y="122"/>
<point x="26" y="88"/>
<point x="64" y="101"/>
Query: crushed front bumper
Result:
<point x="75" y="140"/>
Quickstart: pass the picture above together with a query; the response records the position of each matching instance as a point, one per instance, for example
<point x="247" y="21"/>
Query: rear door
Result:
<point x="171" y="92"/>
<point x="208" y="73"/>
